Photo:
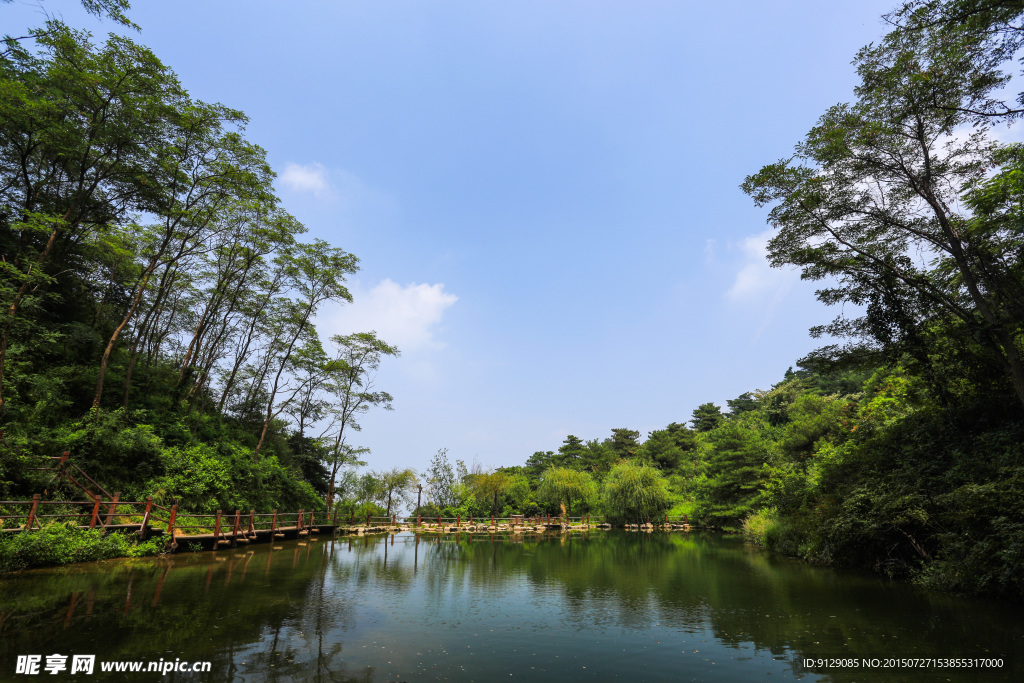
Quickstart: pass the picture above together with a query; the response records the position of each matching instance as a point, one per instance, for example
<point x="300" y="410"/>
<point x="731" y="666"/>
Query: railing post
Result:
<point x="238" y="520"/>
<point x="216" y="530"/>
<point x="492" y="520"/>
<point x="419" y="521"/>
<point x="252" y="522"/>
<point x="95" y="511"/>
<point x="32" y="511"/>
<point x="367" y="519"/>
<point x="393" y="518"/>
<point x="273" y="526"/>
<point x="458" y="521"/>
<point x="143" y="530"/>
<point x="298" y="523"/>
<point x="113" y="508"/>
<point x="170" y="525"/>
<point x="312" y="515"/>
<point x="336" y="510"/>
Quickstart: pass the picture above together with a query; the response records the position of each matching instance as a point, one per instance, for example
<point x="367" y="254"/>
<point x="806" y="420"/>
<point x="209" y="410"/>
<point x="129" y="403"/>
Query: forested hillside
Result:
<point x="158" y="300"/>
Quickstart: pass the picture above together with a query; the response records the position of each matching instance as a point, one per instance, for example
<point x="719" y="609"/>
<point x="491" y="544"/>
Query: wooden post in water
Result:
<point x="32" y="511"/>
<point x="95" y="512"/>
<point x="113" y="508"/>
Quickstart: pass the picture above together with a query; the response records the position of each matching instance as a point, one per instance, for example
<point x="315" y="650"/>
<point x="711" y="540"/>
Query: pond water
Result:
<point x="598" y="606"/>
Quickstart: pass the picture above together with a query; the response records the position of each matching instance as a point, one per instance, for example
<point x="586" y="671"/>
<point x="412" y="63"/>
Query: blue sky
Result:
<point x="543" y="195"/>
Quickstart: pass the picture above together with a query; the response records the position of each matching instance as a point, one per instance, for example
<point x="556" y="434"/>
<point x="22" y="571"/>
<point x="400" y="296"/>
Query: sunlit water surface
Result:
<point x="582" y="607"/>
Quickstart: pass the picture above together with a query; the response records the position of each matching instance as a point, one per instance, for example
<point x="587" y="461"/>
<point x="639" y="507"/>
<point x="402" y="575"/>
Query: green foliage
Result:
<point x="670" y="449"/>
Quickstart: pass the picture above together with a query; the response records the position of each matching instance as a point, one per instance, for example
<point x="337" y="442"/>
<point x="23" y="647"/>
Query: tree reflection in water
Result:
<point x="482" y="606"/>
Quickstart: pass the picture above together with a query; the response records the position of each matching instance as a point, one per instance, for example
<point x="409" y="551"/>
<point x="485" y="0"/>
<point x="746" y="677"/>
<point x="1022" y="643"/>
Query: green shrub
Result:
<point x="65" y="543"/>
<point x="773" y="531"/>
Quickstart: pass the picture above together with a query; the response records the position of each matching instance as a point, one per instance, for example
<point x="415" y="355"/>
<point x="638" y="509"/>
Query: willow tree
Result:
<point x="635" y="492"/>
<point x="490" y="486"/>
<point x="395" y="486"/>
<point x="564" y="486"/>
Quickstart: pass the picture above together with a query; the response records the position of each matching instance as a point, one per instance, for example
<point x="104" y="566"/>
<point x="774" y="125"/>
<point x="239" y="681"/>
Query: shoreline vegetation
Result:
<point x="159" y="305"/>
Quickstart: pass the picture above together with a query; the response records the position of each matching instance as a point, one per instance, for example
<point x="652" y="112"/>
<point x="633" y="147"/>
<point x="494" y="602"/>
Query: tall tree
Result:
<point x="706" y="417"/>
<point x="316" y="273"/>
<point x="570" y="453"/>
<point x="349" y="381"/>
<point x="870" y="200"/>
<point x="445" y="480"/>
<point x="624" y="443"/>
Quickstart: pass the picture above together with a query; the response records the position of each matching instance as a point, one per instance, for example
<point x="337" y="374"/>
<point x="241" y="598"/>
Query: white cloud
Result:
<point x="710" y="246"/>
<point x="311" y="178"/>
<point x="757" y="283"/>
<point x="407" y="316"/>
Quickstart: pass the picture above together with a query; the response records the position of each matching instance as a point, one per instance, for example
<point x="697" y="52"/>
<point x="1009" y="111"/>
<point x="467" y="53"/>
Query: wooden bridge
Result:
<point x="107" y="512"/>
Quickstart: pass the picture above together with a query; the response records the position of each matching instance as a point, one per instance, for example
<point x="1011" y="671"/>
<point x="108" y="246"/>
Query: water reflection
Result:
<point x="594" y="606"/>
